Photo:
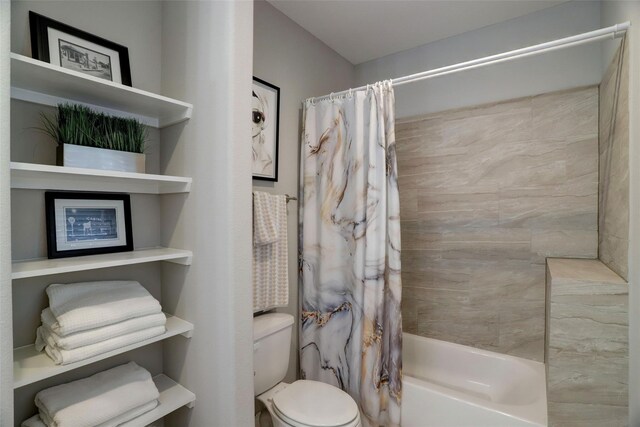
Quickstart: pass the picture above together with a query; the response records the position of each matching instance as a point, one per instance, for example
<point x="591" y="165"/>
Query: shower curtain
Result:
<point x="351" y="328"/>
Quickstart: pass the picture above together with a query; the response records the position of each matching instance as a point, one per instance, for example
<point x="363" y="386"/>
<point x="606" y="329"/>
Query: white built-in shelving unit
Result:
<point x="43" y="83"/>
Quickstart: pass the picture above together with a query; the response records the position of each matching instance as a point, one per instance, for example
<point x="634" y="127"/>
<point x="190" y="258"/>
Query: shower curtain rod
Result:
<point x="612" y="32"/>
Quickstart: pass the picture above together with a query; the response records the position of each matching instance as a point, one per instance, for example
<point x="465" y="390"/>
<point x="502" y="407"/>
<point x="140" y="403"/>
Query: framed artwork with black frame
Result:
<point x="265" y="122"/>
<point x="74" y="49"/>
<point x="87" y="223"/>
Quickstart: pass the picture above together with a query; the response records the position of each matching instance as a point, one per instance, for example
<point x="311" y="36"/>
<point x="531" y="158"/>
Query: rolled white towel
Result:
<point x="64" y="357"/>
<point x="98" y="399"/>
<point x="88" y="305"/>
<point x="93" y="336"/>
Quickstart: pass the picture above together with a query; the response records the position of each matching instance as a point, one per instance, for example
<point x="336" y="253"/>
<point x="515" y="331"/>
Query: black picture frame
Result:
<point x="39" y="25"/>
<point x="272" y="123"/>
<point x="53" y="248"/>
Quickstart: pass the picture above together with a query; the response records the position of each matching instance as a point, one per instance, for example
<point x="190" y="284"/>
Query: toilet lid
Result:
<point x="315" y="404"/>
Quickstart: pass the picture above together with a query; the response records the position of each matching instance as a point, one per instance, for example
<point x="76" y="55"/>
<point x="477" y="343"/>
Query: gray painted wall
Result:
<point x="613" y="12"/>
<point x="135" y="24"/>
<point x="206" y="60"/>
<point x="574" y="67"/>
<point x="6" y="345"/>
<point x="302" y="66"/>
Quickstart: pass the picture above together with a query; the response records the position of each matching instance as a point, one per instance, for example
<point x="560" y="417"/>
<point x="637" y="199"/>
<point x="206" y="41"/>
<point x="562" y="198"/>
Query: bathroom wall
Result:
<point x="206" y="60"/>
<point x="614" y="164"/>
<point x="613" y="12"/>
<point x="289" y="57"/>
<point x="6" y="346"/>
<point x="569" y="68"/>
<point x="487" y="193"/>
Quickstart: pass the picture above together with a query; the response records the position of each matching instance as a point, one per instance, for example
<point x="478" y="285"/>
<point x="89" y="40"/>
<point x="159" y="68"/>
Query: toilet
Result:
<point x="302" y="403"/>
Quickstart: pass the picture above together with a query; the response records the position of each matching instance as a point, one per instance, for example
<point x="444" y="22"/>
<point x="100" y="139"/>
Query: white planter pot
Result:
<point x="78" y="156"/>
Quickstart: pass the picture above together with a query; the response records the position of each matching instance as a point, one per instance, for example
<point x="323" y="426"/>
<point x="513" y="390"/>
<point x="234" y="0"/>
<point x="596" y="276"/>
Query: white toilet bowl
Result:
<point x="307" y="403"/>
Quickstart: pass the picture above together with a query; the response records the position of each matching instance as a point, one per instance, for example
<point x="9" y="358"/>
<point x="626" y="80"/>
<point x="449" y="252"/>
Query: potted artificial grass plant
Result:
<point x="88" y="139"/>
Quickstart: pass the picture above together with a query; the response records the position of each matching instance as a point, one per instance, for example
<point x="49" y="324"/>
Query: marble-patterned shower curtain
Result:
<point x="351" y="328"/>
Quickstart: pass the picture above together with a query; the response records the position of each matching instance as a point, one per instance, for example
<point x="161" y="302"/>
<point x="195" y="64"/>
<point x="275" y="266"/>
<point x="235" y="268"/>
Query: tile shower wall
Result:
<point x="588" y="345"/>
<point x="614" y="164"/>
<point x="487" y="193"/>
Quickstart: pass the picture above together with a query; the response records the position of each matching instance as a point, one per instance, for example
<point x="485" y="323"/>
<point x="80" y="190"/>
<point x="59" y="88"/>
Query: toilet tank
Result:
<point x="271" y="344"/>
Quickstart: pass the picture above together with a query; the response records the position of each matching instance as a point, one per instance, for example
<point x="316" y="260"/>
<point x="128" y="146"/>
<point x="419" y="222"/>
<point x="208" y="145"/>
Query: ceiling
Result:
<point x="361" y="30"/>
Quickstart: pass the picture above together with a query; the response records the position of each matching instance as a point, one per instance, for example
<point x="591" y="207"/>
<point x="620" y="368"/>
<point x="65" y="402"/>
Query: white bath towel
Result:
<point x="64" y="357"/>
<point x="270" y="273"/>
<point x="81" y="306"/>
<point x="95" y="400"/>
<point x="265" y="208"/>
<point x="36" y="421"/>
<point x="96" y="335"/>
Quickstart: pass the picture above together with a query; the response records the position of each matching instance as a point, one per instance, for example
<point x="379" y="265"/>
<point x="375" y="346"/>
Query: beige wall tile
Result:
<point x="565" y="114"/>
<point x="587" y="415"/>
<point x="563" y="243"/>
<point x="486" y="194"/>
<point x="614" y="165"/>
<point x="587" y="343"/>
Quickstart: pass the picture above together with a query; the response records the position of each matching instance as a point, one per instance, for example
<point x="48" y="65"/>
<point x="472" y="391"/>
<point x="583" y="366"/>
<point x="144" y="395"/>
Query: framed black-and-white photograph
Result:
<point x="265" y="121"/>
<point x="74" y="49"/>
<point x="87" y="223"/>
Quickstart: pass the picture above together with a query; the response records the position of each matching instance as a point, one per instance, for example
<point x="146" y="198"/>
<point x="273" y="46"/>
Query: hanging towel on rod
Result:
<point x="270" y="261"/>
<point x="264" y="218"/>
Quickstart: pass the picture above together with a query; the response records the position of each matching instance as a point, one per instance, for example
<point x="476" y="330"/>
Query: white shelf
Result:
<point x="30" y="365"/>
<point x="44" y="177"/>
<point x="43" y="83"/>
<point x="45" y="267"/>
<point x="172" y="396"/>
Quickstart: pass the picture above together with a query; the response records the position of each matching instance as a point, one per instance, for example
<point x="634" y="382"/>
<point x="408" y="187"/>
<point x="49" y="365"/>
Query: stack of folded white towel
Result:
<point x="87" y="319"/>
<point x="106" y="399"/>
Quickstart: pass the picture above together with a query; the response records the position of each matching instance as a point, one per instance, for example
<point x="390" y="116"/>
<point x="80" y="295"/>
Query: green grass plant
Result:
<point x="80" y="125"/>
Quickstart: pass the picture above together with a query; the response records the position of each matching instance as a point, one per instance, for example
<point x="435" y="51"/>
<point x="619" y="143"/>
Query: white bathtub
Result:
<point x="451" y="385"/>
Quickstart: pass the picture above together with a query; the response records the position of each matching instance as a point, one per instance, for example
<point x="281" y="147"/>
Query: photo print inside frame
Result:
<point x="74" y="49"/>
<point x="87" y="223"/>
<point x="265" y="121"/>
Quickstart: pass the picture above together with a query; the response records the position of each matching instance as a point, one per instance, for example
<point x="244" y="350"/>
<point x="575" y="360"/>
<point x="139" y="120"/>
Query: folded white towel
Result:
<point x="98" y="399"/>
<point x="96" y="335"/>
<point x="270" y="264"/>
<point x="265" y="208"/>
<point x="81" y="306"/>
<point x="64" y="357"/>
<point x="36" y="421"/>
